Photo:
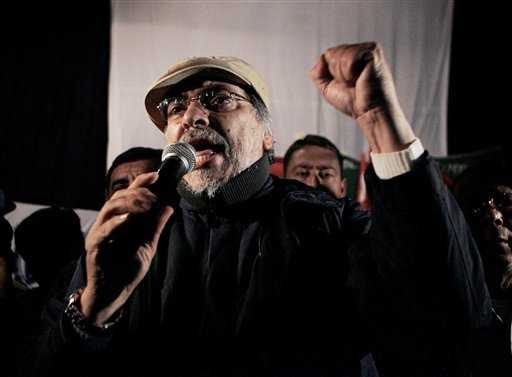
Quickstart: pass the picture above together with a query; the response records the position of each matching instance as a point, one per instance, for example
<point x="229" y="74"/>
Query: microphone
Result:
<point x="177" y="160"/>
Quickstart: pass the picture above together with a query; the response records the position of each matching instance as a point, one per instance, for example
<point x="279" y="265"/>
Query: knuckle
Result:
<point x="117" y="194"/>
<point x="139" y="203"/>
<point x="143" y="179"/>
<point x="375" y="46"/>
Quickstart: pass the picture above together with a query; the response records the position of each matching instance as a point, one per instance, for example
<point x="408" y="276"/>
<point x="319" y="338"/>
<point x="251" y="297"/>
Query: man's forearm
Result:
<point x="386" y="129"/>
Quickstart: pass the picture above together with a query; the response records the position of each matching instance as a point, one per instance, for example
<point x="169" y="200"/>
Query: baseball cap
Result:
<point x="228" y="68"/>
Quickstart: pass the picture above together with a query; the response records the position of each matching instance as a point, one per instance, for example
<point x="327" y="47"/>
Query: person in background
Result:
<point x="6" y="206"/>
<point x="50" y="241"/>
<point x="7" y="302"/>
<point x="317" y="162"/>
<point x="485" y="194"/>
<point x="128" y="165"/>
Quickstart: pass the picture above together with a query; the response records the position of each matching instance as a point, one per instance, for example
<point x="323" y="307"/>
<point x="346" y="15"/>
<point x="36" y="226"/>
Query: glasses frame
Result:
<point x="201" y="98"/>
<point x="496" y="200"/>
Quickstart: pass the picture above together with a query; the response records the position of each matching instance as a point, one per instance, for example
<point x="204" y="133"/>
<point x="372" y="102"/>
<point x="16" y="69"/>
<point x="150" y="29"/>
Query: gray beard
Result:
<point x="209" y="180"/>
<point x="206" y="181"/>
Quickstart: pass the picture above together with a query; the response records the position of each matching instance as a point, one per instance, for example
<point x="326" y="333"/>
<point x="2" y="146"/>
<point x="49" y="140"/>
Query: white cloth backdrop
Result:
<point x="282" y="40"/>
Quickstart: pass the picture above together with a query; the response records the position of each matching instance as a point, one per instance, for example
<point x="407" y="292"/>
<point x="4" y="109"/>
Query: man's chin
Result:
<point x="505" y="251"/>
<point x="206" y="179"/>
<point x="499" y="250"/>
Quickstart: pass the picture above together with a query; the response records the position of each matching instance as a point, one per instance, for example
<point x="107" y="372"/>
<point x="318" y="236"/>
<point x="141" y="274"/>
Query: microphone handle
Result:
<point x="169" y="175"/>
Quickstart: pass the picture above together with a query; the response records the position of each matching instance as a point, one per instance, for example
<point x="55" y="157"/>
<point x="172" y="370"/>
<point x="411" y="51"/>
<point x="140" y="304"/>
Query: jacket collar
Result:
<point x="237" y="190"/>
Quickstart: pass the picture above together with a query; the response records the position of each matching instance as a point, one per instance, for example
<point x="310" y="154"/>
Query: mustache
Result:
<point x="206" y="135"/>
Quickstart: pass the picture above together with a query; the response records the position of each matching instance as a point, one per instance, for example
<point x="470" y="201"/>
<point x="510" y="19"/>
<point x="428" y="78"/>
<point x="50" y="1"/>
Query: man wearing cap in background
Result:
<point x="256" y="277"/>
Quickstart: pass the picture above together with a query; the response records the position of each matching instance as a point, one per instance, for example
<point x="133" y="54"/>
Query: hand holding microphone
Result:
<point x="123" y="240"/>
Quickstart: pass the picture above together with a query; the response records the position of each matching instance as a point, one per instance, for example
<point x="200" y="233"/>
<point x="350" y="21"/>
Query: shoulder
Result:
<point x="313" y="209"/>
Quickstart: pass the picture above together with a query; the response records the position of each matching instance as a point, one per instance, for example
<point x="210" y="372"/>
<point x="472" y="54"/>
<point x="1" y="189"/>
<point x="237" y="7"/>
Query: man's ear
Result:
<point x="268" y="142"/>
<point x="343" y="187"/>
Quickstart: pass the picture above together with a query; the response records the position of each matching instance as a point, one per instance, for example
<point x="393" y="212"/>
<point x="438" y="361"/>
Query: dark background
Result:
<point x="54" y="81"/>
<point x="479" y="87"/>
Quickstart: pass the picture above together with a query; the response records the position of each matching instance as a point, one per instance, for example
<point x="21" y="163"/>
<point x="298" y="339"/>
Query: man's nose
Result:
<point x="313" y="180"/>
<point x="195" y="116"/>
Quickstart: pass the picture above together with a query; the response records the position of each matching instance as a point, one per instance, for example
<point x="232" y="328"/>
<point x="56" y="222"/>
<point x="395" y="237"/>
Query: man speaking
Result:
<point x="250" y="275"/>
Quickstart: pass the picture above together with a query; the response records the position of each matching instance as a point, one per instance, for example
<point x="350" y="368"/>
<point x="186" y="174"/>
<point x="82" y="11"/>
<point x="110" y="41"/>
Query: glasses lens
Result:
<point x="205" y="98"/>
<point x="217" y="100"/>
<point x="176" y="105"/>
<point x="479" y="210"/>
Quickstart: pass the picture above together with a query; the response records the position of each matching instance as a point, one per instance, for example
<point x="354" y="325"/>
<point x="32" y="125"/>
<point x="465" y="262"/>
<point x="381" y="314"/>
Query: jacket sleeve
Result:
<point x="58" y="348"/>
<point x="418" y="273"/>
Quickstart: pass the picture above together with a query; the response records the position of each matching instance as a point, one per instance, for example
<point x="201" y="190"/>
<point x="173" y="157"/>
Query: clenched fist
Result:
<point x="356" y="80"/>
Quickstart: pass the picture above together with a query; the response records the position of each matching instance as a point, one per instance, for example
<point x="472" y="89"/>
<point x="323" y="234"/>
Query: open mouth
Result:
<point x="502" y="241"/>
<point x="206" y="150"/>
<point x="203" y="144"/>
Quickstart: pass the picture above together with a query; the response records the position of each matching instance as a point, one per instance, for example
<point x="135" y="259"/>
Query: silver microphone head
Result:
<point x="184" y="151"/>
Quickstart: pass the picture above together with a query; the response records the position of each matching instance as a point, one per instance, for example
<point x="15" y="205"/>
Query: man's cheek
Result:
<point x="173" y="133"/>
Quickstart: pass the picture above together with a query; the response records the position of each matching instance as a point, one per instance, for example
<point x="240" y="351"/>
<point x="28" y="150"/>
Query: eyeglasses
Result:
<point x="217" y="100"/>
<point x="501" y="201"/>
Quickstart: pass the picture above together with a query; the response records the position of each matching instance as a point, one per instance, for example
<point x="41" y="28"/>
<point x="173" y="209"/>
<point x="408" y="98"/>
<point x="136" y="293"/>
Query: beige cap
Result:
<point x="221" y="67"/>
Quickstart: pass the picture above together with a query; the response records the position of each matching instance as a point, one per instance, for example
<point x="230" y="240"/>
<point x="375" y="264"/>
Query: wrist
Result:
<point x="385" y="130"/>
<point x="94" y="310"/>
<point x="88" y="325"/>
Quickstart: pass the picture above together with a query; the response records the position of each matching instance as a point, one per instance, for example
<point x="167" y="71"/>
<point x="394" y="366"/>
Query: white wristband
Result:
<point x="389" y="165"/>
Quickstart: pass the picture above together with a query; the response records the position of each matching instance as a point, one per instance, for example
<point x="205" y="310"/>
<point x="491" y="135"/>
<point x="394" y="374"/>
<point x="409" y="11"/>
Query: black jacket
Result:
<point x="273" y="278"/>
